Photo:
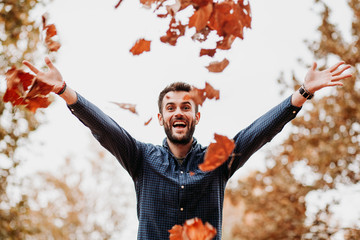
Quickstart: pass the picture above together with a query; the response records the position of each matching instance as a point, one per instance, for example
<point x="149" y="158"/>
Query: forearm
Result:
<point x="297" y="99"/>
<point x="69" y="95"/>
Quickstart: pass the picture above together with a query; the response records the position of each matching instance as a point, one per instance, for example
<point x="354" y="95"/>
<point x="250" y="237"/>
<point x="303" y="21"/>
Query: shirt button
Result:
<point x="181" y="172"/>
<point x="182" y="186"/>
<point x="294" y="112"/>
<point x="181" y="209"/>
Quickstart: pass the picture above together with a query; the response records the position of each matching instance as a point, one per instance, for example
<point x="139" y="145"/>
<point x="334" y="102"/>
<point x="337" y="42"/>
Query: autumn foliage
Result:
<point x="227" y="19"/>
<point x="315" y="159"/>
<point x="217" y="153"/>
<point x="24" y="88"/>
<point x="193" y="229"/>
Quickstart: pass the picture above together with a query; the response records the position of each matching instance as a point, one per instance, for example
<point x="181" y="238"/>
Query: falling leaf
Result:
<point x="217" y="67"/>
<point x="174" y="8"/>
<point x="25" y="89"/>
<point x="176" y="30"/>
<point x="52" y="45"/>
<point x="127" y="106"/>
<point x="209" y="52"/>
<point x="200" y="17"/>
<point x="118" y="4"/>
<point x="200" y="95"/>
<point x="148" y="121"/>
<point x="230" y="18"/>
<point x="140" y="46"/>
<point x="217" y="153"/>
<point x="193" y="229"/>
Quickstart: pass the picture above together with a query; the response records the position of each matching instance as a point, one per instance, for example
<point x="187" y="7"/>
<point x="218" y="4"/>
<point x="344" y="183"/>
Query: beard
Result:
<point x="182" y="140"/>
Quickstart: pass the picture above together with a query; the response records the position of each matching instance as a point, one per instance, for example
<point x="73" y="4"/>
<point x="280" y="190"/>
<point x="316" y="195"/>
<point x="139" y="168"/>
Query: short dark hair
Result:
<point x="174" y="87"/>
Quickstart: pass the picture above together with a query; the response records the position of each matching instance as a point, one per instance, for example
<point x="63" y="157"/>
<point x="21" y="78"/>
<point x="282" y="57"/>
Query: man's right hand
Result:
<point x="53" y="78"/>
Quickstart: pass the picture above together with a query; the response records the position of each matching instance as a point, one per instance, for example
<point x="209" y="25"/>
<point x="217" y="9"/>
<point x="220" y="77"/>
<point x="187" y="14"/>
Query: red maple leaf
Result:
<point x="199" y="95"/>
<point x="217" y="153"/>
<point x="52" y="45"/>
<point x="140" y="46"/>
<point x="193" y="229"/>
<point x="217" y="67"/>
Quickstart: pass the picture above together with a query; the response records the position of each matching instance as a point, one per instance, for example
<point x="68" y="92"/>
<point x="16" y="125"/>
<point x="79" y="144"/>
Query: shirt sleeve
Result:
<point x="261" y="131"/>
<point x="109" y="134"/>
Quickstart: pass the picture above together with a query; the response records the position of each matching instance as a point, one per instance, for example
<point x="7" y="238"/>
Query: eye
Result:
<point x="187" y="107"/>
<point x="170" y="108"/>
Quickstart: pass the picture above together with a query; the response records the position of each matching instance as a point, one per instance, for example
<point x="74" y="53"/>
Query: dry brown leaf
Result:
<point x="200" y="17"/>
<point x="193" y="229"/>
<point x="208" y="52"/>
<point x="127" y="106"/>
<point x="24" y="89"/>
<point x="148" y="121"/>
<point x="52" y="45"/>
<point x="199" y="95"/>
<point x="140" y="46"/>
<point x="217" y="67"/>
<point x="217" y="153"/>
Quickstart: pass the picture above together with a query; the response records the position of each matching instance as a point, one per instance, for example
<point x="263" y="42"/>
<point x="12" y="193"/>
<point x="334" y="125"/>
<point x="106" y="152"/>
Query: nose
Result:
<point x="178" y="112"/>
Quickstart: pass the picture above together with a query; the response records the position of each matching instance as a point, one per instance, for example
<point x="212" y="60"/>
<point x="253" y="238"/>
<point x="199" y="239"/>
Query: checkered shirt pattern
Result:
<point x="168" y="193"/>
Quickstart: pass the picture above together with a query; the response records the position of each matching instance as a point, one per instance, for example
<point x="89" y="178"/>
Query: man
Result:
<point x="167" y="194"/>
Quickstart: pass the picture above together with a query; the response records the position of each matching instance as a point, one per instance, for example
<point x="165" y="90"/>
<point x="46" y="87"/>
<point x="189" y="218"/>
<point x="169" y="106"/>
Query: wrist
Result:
<point x="62" y="89"/>
<point x="305" y="92"/>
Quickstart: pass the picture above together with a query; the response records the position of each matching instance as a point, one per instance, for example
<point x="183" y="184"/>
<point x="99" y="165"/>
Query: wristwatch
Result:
<point x="305" y="93"/>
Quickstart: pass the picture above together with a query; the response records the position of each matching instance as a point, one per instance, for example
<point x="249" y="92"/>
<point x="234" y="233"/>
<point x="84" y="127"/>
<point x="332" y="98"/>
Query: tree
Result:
<point x="19" y="40"/>
<point x="324" y="147"/>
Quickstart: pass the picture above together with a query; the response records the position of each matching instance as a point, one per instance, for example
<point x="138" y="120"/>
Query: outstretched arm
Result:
<point x="53" y="78"/>
<point x="316" y="80"/>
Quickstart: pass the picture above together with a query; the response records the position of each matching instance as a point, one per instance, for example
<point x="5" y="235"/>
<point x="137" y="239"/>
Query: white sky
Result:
<point x="95" y="61"/>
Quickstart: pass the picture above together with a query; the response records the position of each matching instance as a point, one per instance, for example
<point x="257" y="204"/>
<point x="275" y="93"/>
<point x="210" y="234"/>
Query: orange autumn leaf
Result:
<point x="140" y="46"/>
<point x="217" y="153"/>
<point x="200" y="17"/>
<point x="127" y="106"/>
<point x="200" y="95"/>
<point x="217" y="67"/>
<point x="148" y="121"/>
<point x="209" y="52"/>
<point x="176" y="30"/>
<point x="193" y="229"/>
<point x="52" y="45"/>
<point x="230" y="18"/>
<point x="24" y="89"/>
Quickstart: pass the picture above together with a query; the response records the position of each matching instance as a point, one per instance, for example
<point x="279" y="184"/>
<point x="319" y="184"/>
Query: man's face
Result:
<point x="178" y="117"/>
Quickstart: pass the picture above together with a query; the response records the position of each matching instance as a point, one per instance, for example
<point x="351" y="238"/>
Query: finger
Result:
<point x="334" y="67"/>
<point x="32" y="68"/>
<point x="337" y="78"/>
<point x="335" y="84"/>
<point x="314" y="66"/>
<point x="49" y="63"/>
<point x="340" y="71"/>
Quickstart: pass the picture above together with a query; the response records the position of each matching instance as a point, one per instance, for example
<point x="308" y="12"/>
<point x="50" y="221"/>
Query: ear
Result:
<point x="161" y="120"/>
<point x="197" y="118"/>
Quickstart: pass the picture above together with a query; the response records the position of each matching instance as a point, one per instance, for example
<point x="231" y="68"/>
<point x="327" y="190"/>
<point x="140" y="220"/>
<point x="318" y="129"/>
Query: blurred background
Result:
<point x="57" y="182"/>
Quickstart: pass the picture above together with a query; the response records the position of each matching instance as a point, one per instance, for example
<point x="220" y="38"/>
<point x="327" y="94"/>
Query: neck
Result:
<point x="179" y="150"/>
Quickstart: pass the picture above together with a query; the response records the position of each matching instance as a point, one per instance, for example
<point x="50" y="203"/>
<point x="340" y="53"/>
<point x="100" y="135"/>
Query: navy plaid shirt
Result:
<point x="166" y="192"/>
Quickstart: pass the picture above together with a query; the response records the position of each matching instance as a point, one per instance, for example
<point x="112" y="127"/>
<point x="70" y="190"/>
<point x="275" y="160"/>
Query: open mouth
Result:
<point x="179" y="124"/>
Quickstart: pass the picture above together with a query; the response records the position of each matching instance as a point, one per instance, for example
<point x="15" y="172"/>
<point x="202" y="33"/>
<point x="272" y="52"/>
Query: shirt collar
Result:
<point x="166" y="145"/>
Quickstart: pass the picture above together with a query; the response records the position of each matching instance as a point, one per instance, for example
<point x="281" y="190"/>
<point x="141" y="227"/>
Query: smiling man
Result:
<point x="167" y="194"/>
